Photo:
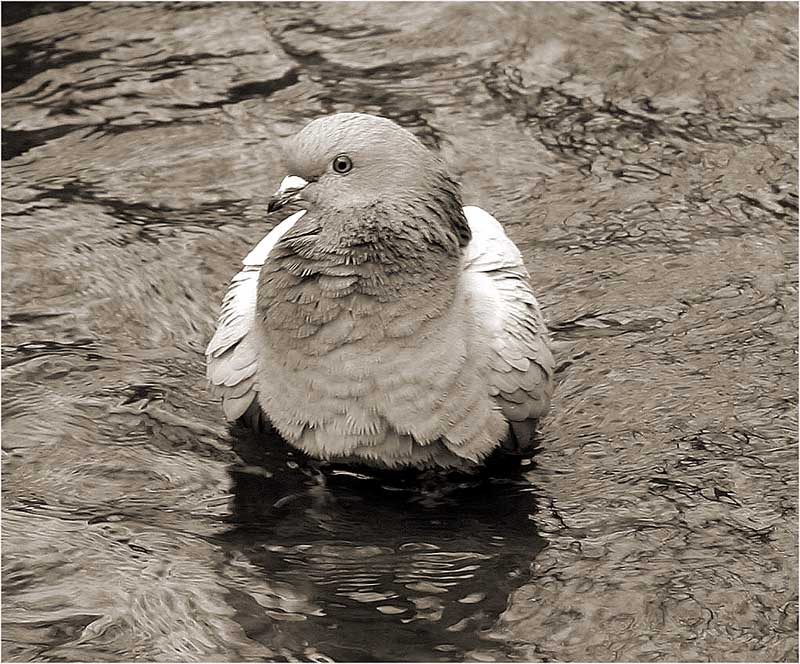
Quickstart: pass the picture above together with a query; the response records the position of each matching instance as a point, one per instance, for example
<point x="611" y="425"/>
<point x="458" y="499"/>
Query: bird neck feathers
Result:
<point x="374" y="264"/>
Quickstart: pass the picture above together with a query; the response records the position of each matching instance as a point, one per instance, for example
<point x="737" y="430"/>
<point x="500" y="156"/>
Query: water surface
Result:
<point x="644" y="159"/>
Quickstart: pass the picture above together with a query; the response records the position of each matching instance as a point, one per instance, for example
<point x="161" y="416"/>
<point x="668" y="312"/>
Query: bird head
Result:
<point x="351" y="161"/>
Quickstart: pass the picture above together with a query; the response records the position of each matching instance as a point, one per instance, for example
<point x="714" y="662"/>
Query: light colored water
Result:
<point x="644" y="159"/>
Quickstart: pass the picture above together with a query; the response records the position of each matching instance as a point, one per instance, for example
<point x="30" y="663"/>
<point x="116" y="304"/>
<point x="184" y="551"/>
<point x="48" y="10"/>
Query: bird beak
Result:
<point x="289" y="191"/>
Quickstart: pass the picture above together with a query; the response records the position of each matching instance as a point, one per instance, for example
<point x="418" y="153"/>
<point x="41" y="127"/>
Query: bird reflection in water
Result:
<point x="370" y="565"/>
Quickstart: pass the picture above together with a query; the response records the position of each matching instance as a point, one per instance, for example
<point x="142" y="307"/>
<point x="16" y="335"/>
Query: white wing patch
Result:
<point x="231" y="355"/>
<point x="521" y="365"/>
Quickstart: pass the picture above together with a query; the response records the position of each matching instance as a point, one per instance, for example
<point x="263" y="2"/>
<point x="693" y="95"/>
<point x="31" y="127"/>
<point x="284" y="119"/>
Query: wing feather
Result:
<point x="231" y="355"/>
<point x="521" y="365"/>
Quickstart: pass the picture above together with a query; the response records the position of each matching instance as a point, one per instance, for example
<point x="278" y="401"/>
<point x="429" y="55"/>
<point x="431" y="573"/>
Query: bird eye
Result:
<point x="342" y="164"/>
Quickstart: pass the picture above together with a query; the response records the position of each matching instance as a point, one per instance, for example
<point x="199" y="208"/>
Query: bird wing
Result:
<point x="521" y="365"/>
<point x="231" y="355"/>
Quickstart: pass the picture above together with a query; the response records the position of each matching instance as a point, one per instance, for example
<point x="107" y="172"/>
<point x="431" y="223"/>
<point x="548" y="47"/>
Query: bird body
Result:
<point x="386" y="324"/>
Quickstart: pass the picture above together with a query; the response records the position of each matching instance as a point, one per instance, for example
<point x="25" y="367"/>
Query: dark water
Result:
<point x="644" y="158"/>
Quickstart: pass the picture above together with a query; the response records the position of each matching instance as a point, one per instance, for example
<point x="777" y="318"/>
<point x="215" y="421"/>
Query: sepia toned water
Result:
<point x="643" y="157"/>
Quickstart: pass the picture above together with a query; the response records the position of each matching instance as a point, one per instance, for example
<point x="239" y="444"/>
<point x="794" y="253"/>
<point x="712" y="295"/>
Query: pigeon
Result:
<point x="384" y="324"/>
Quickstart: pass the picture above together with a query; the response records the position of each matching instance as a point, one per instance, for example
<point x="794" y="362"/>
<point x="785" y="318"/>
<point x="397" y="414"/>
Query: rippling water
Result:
<point x="644" y="158"/>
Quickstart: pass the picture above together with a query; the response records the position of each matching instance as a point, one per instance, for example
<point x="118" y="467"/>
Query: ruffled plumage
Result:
<point x="403" y="333"/>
